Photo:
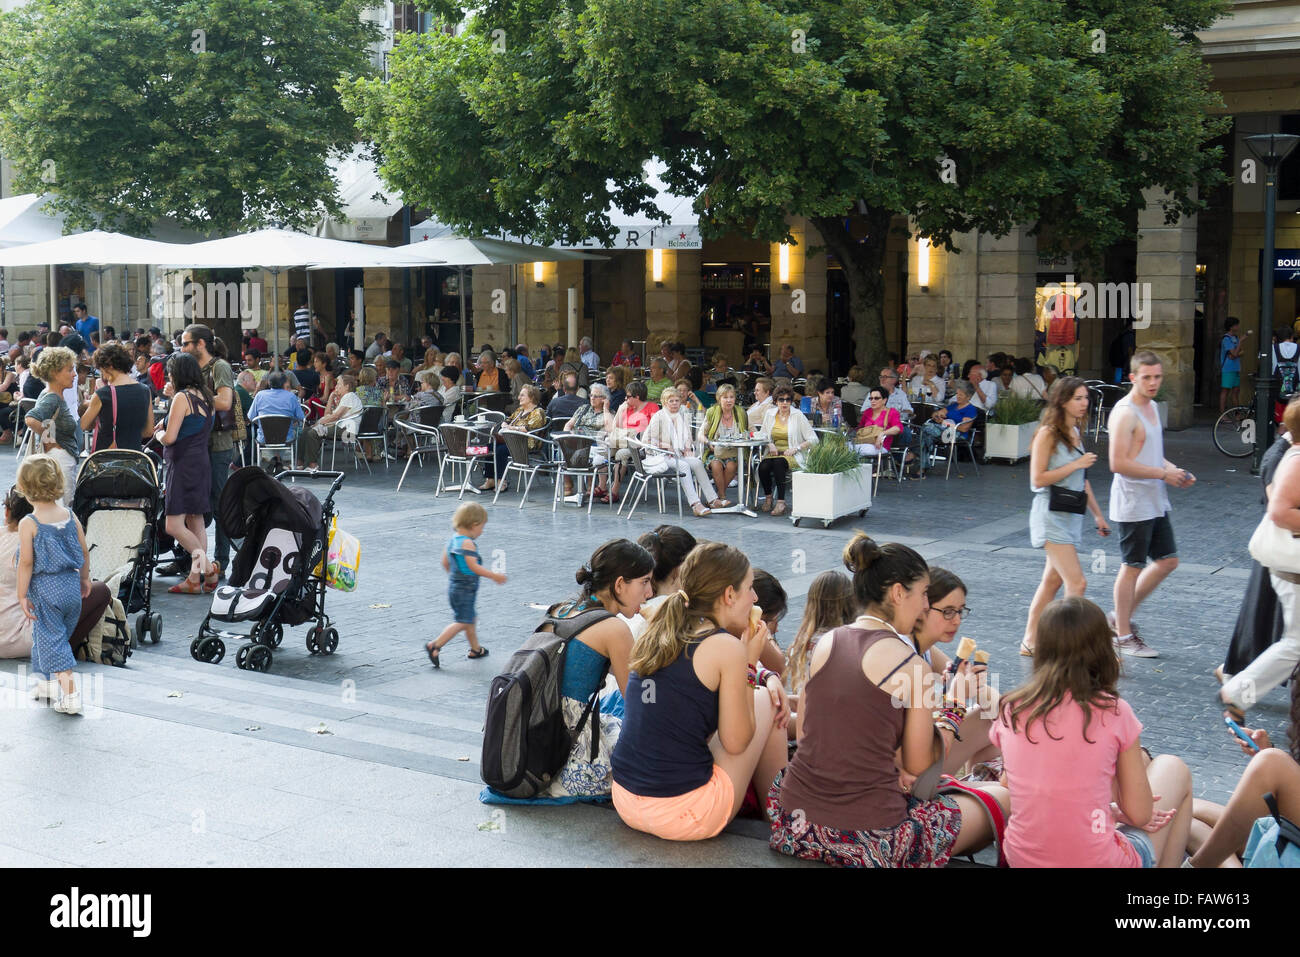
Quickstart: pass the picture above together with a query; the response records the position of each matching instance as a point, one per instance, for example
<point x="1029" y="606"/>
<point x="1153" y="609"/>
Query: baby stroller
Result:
<point x="119" y="504"/>
<point x="273" y="580"/>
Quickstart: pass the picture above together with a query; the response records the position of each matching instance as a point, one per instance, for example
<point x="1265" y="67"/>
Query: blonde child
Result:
<point x="53" y="578"/>
<point x="460" y="559"/>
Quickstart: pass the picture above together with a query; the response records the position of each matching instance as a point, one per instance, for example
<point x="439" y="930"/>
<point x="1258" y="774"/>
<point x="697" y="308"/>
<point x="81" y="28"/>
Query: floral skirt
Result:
<point x="924" y="839"/>
<point x="581" y="776"/>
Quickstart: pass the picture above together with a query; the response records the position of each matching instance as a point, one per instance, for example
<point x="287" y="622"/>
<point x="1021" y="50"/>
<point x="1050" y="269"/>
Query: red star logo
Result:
<point x="681" y="235"/>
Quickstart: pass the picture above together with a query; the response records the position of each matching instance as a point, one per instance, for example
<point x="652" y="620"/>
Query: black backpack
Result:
<point x="525" y="739"/>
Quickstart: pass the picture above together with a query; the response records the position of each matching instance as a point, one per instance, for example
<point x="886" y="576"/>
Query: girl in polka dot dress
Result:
<point x="53" y="577"/>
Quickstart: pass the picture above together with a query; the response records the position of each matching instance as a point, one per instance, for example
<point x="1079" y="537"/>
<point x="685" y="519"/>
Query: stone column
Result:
<point x="1166" y="277"/>
<point x="544" y="310"/>
<point x="383" y="297"/>
<point x="944" y="317"/>
<point x="672" y="308"/>
<point x="799" y="312"/>
<point x="1005" y="304"/>
<point x="491" y="304"/>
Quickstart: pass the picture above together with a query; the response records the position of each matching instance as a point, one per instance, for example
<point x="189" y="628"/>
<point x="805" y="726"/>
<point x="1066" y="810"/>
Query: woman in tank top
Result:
<point x="616" y="579"/>
<point x="867" y="729"/>
<point x="695" y="734"/>
<point x="121" y="409"/>
<point x="1057" y="457"/>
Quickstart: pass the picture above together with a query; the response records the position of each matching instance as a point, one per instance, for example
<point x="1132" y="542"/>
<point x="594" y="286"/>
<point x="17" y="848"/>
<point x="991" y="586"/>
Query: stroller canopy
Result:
<point x="115" y="473"/>
<point x="252" y="498"/>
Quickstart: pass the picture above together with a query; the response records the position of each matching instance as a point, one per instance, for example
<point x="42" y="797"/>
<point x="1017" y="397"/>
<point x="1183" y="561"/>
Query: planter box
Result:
<point x="1162" y="409"/>
<point x="1008" y="441"/>
<point x="828" y="497"/>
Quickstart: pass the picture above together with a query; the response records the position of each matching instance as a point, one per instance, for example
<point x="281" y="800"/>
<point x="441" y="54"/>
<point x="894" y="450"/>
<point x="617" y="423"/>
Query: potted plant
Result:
<point x="1011" y="429"/>
<point x="831" y="482"/>
<point x="1162" y="405"/>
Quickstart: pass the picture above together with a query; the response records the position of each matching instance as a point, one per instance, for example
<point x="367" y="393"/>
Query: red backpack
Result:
<point x="158" y="373"/>
<point x="1060" y="328"/>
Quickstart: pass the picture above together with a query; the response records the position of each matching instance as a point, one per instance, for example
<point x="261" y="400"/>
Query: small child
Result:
<point x="54" y="565"/>
<point x="462" y="589"/>
<point x="1071" y="745"/>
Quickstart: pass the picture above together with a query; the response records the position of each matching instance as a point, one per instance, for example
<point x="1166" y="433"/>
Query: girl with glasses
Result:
<point x="945" y="619"/>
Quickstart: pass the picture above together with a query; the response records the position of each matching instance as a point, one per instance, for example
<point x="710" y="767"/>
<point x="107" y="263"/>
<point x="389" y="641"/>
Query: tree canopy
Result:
<point x="964" y="114"/>
<point x="219" y="113"/>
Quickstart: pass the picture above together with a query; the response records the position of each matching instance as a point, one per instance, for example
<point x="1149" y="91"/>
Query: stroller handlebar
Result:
<point x="336" y="478"/>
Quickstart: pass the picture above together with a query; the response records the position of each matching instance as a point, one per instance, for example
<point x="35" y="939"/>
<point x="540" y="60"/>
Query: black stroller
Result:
<point x="119" y="503"/>
<point x="274" y="580"/>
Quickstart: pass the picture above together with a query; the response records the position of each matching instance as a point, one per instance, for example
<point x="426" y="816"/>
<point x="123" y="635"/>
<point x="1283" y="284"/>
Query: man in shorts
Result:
<point x="1139" y="502"/>
<point x="1230" y="347"/>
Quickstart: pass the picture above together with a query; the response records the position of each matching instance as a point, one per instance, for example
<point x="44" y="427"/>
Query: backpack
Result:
<point x="1288" y="370"/>
<point x="1274" y="841"/>
<point x="525" y="738"/>
<point x="1060" y="327"/>
<point x="109" y="641"/>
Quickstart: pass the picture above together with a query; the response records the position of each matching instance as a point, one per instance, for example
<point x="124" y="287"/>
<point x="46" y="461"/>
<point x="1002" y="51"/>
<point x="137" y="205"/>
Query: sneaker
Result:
<point x="45" y="690"/>
<point x="575" y="499"/>
<point x="69" y="704"/>
<point x="1135" y="647"/>
<point x="1110" y="620"/>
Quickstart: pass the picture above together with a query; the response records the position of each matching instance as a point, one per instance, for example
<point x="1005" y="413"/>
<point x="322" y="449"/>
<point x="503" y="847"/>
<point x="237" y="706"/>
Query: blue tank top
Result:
<point x="663" y="749"/>
<point x="456" y="552"/>
<point x="56" y="548"/>
<point x="583" y="666"/>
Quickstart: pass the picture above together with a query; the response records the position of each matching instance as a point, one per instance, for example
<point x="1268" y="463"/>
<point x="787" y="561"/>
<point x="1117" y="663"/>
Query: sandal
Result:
<point x="779" y="508"/>
<point x="433" y="654"/>
<point x="1232" y="711"/>
<point x="194" y="582"/>
<point x="481" y="653"/>
<point x="699" y="510"/>
<point x="767" y="504"/>
<point x="719" y="503"/>
<point x="212" y="578"/>
<point x="1026" y="650"/>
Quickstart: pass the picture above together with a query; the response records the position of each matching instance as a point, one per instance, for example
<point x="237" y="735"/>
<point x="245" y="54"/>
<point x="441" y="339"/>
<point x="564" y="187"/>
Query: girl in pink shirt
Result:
<point x="1071" y="746"/>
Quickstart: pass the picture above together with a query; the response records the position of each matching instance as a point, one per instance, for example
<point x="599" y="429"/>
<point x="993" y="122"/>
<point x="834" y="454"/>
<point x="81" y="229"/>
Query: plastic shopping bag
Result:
<point x="343" y="562"/>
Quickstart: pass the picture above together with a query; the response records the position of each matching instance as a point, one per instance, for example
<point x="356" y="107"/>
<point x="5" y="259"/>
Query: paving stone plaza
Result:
<point x="369" y="756"/>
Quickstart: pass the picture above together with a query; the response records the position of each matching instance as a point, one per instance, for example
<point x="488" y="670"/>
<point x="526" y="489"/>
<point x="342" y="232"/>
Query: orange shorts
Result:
<point x="693" y="816"/>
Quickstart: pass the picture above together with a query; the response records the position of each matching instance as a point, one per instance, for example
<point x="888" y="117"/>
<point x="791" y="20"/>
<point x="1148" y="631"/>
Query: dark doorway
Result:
<point x="345" y="281"/>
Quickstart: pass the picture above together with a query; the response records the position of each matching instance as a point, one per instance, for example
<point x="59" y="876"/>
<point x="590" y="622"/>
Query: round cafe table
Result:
<point x="743" y="446"/>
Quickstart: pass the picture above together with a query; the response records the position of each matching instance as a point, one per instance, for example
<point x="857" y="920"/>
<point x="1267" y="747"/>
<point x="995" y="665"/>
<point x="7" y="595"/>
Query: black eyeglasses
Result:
<point x="950" y="613"/>
<point x="785" y="398"/>
<point x="187" y="342"/>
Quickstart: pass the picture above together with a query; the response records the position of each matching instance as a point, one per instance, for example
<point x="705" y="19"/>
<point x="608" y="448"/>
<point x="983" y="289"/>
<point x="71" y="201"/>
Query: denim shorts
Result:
<point x="461" y="593"/>
<point x="1141" y="842"/>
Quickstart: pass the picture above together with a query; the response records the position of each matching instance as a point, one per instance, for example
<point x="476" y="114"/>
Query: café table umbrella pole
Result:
<point x="460" y="288"/>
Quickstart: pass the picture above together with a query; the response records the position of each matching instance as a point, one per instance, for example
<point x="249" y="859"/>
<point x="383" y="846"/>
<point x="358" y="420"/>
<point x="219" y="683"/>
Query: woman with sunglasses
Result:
<point x="939" y="625"/>
<point x="877" y="415"/>
<point x="788" y="433"/>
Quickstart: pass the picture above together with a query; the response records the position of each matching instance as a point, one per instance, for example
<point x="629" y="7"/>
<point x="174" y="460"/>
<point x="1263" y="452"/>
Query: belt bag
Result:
<point x="1061" y="499"/>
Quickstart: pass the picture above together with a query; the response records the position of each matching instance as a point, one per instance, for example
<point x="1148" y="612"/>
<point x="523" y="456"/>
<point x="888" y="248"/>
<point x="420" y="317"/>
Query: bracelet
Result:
<point x="944" y="724"/>
<point x="764" y="674"/>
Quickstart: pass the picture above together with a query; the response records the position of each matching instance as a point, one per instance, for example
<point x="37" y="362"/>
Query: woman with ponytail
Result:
<point x="867" y="730"/>
<point x="696" y="735"/>
<point x="668" y="545"/>
<point x="617" y="581"/>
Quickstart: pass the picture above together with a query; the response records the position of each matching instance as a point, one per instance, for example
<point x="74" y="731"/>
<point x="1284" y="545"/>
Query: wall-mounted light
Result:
<point x="923" y="263"/>
<point x="657" y="266"/>
<point x="783" y="266"/>
<point x="537" y="274"/>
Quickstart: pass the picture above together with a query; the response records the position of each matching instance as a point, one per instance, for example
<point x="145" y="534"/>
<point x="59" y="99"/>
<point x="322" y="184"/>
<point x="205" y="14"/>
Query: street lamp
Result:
<point x="1270" y="149"/>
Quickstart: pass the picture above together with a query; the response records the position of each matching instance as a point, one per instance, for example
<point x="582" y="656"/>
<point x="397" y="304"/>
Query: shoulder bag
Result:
<point x="1274" y="547"/>
<point x="1061" y="499"/>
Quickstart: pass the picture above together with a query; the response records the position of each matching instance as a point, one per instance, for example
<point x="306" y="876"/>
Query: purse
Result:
<point x="1275" y="548"/>
<point x="871" y="435"/>
<point x="1060" y="499"/>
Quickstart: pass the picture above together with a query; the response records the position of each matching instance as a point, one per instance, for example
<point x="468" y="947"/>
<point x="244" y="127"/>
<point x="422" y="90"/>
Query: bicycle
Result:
<point x="1234" y="430"/>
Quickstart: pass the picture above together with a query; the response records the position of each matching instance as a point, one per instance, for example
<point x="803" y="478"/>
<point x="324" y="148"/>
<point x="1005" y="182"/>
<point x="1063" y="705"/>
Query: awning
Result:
<point x="367" y="203"/>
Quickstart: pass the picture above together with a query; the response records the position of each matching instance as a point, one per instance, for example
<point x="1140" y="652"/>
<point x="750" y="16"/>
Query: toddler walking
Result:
<point x="53" y="578"/>
<point x="461" y="561"/>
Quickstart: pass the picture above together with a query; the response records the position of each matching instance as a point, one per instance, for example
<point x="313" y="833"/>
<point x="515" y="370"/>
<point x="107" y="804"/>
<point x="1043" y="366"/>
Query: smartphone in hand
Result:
<point x="1240" y="732"/>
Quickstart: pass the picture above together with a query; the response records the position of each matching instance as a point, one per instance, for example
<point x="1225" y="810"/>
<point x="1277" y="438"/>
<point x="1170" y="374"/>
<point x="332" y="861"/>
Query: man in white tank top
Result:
<point x="1139" y="502"/>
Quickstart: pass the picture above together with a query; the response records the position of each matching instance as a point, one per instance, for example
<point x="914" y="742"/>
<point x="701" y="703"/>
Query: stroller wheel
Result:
<point x="209" y="650"/>
<point x="141" y="628"/>
<point x="329" y="641"/>
<point x="259" y="658"/>
<point x="313" y="640"/>
<point x="270" y="635"/>
<point x="241" y="657"/>
<point x="155" y="627"/>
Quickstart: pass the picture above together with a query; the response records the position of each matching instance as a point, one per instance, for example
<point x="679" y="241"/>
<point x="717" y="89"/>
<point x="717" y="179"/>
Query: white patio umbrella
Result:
<point x="97" y="250"/>
<point x="23" y="220"/>
<point x="462" y="251"/>
<point x="276" y="250"/>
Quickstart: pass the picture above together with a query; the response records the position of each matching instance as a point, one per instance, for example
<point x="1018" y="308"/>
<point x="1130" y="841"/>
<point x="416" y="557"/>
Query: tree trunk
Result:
<point x="862" y="263"/>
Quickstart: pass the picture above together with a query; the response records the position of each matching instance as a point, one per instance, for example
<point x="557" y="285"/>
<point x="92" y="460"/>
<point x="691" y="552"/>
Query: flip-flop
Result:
<point x="482" y="653"/>
<point x="433" y="655"/>
<point x="1026" y="650"/>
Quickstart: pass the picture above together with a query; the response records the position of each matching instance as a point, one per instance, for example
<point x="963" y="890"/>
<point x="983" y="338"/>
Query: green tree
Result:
<point x="964" y="114"/>
<point x="219" y="113"/>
